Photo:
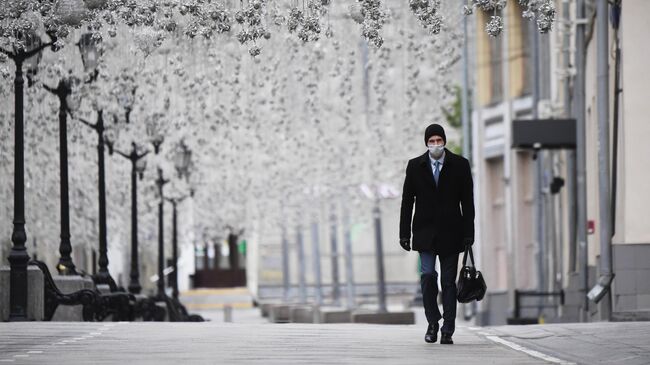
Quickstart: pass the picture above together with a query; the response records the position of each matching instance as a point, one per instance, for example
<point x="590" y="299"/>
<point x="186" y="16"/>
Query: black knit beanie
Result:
<point x="434" y="130"/>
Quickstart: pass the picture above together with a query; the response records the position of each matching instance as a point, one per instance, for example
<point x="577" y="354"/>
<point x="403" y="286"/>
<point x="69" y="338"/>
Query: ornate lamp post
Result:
<point x="90" y="53"/>
<point x="64" y="91"/>
<point x="18" y="256"/>
<point x="138" y="165"/>
<point x="160" y="183"/>
<point x="104" y="135"/>
<point x="156" y="137"/>
<point x="174" y="277"/>
<point x="182" y="160"/>
<point x="67" y="105"/>
<point x="88" y="47"/>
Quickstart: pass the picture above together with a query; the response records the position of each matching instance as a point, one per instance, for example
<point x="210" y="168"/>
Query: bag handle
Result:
<point x="468" y="248"/>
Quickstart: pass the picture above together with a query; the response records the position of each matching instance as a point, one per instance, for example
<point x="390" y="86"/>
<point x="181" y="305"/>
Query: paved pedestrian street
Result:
<point x="228" y="343"/>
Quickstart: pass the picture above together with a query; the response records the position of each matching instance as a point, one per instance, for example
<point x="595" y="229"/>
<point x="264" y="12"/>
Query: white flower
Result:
<point x="494" y="26"/>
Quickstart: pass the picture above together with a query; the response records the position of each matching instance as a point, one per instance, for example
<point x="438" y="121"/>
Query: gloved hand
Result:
<point x="405" y="243"/>
<point x="468" y="241"/>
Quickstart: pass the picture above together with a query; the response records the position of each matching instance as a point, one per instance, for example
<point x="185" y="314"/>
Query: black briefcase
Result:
<point x="471" y="285"/>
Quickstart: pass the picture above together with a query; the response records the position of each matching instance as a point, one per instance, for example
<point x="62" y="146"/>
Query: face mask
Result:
<point x="436" y="151"/>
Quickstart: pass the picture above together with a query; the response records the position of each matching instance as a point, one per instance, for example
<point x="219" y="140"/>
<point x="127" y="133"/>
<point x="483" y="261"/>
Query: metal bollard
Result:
<point x="227" y="313"/>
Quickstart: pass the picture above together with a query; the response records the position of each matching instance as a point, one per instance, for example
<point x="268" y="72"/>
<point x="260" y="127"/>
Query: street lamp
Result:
<point x="155" y="131"/>
<point x="174" y="277"/>
<point x="182" y="160"/>
<point x="105" y="135"/>
<point x="126" y="102"/>
<point x="382" y="191"/>
<point x="90" y="53"/>
<point x="138" y="165"/>
<point x="160" y="183"/>
<point x="156" y="137"/>
<point x="111" y="135"/>
<point x="31" y="63"/>
<point x="18" y="257"/>
<point x="67" y="104"/>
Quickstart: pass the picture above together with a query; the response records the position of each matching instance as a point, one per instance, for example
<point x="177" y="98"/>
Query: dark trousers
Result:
<point x="429" y="283"/>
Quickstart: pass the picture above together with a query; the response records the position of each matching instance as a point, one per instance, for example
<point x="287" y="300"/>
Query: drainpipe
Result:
<point x="510" y="182"/>
<point x="571" y="155"/>
<point x="465" y="94"/>
<point x="539" y="168"/>
<point x="581" y="160"/>
<point x="602" y="289"/>
<point x="616" y="13"/>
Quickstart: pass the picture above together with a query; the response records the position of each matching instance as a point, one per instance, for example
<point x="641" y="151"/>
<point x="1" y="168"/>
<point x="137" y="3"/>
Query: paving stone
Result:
<point x="352" y="343"/>
<point x="230" y="343"/>
<point x="585" y="343"/>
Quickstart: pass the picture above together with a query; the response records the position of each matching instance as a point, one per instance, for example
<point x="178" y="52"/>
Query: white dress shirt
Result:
<point x="433" y="164"/>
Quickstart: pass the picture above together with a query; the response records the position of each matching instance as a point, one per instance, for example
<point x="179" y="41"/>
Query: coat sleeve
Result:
<point x="467" y="202"/>
<point x="406" y="210"/>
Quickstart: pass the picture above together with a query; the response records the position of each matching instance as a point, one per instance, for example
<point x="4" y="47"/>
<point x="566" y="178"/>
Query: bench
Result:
<point x="54" y="297"/>
<point x="97" y="306"/>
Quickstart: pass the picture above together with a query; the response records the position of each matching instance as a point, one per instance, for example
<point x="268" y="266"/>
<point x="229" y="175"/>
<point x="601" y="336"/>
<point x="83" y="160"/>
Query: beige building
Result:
<point x="506" y="189"/>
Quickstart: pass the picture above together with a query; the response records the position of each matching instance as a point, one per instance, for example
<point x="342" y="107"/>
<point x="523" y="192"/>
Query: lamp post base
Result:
<point x="135" y="288"/>
<point x="18" y="284"/>
<point x="103" y="277"/>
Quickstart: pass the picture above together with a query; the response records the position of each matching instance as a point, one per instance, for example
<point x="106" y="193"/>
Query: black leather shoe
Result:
<point x="432" y="333"/>
<point x="445" y="339"/>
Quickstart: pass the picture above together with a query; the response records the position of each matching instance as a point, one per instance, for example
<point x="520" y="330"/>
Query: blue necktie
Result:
<point x="436" y="172"/>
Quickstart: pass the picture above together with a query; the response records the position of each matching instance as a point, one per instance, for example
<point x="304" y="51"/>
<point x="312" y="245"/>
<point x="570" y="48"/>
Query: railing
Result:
<point x="520" y="294"/>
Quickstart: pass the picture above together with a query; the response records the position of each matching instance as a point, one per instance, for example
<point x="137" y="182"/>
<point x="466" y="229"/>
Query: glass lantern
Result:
<point x="140" y="166"/>
<point x="154" y="131"/>
<point x="182" y="159"/>
<point x="111" y="134"/>
<point x="32" y="42"/>
<point x="90" y="53"/>
<point x="73" y="100"/>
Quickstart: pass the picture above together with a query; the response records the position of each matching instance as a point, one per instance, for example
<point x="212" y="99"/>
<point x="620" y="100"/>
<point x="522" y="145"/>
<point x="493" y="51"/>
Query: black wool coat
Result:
<point x="444" y="214"/>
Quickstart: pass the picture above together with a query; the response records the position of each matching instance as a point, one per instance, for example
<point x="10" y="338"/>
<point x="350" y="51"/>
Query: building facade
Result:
<point x="527" y="236"/>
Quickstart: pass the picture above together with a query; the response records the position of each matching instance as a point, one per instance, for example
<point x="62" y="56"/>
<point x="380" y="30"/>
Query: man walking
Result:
<point x="439" y="182"/>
